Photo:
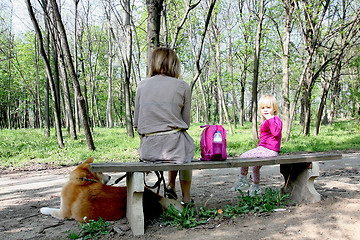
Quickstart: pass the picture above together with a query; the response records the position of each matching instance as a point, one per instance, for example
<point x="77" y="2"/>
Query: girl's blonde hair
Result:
<point x="268" y="100"/>
<point x="164" y="61"/>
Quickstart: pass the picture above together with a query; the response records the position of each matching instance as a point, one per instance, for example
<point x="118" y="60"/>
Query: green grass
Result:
<point x="91" y="230"/>
<point x="192" y="216"/>
<point x="26" y="146"/>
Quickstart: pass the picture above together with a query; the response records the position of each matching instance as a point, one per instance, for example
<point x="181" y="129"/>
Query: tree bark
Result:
<point x="128" y="59"/>
<point x="46" y="84"/>
<point x="77" y="74"/>
<point x="203" y="35"/>
<point x="109" y="120"/>
<point x="38" y="98"/>
<point x="333" y="75"/>
<point x="289" y="9"/>
<point x="45" y="58"/>
<point x="231" y="71"/>
<point x="154" y="8"/>
<point x="9" y="93"/>
<point x="206" y="113"/>
<point x="218" y="78"/>
<point x="311" y="28"/>
<point x="70" y="65"/>
<point x="67" y="98"/>
<point x="256" y="71"/>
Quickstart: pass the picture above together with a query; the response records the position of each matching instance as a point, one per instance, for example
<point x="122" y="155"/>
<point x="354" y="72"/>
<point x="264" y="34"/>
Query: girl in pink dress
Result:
<point x="269" y="145"/>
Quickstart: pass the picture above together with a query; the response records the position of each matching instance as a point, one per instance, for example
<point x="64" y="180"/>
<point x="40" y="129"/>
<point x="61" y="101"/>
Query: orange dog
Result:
<point x="87" y="195"/>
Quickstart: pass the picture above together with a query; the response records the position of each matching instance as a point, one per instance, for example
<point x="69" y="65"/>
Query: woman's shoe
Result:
<point x="170" y="193"/>
<point x="188" y="204"/>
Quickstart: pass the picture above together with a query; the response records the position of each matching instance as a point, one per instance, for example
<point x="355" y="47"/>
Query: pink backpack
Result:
<point x="207" y="143"/>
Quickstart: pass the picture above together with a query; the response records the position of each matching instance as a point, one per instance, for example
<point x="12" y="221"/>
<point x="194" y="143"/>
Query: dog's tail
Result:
<point x="55" y="212"/>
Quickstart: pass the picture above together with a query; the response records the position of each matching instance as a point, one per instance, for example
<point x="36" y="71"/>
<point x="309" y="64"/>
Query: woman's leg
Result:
<point x="172" y="179"/>
<point x="185" y="183"/>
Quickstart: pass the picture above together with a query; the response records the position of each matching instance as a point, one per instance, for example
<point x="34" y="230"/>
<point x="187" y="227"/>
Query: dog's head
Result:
<point x="83" y="172"/>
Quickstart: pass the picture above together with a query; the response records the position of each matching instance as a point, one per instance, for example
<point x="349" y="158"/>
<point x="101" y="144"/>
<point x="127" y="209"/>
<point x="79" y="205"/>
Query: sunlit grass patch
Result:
<point x="25" y="146"/>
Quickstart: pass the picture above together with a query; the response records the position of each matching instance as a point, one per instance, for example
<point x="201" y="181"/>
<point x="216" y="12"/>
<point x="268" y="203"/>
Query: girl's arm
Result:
<point x="275" y="125"/>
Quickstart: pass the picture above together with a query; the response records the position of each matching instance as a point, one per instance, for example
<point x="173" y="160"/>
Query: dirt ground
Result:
<point x="337" y="216"/>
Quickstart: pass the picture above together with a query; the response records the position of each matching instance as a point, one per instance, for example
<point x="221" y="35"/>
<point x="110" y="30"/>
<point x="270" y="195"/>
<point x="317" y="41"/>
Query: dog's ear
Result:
<point x="90" y="160"/>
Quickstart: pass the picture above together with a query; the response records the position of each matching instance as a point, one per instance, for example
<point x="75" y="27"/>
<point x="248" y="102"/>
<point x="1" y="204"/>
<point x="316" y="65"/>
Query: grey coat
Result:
<point x="163" y="103"/>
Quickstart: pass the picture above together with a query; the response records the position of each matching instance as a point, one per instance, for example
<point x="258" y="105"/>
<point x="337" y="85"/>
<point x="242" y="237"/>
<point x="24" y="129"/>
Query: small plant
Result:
<point x="267" y="202"/>
<point x="185" y="219"/>
<point x="192" y="216"/>
<point x="94" y="229"/>
<point x="73" y="235"/>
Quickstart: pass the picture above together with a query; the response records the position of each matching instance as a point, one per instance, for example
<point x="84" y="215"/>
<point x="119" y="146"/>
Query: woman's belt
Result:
<point x="163" y="132"/>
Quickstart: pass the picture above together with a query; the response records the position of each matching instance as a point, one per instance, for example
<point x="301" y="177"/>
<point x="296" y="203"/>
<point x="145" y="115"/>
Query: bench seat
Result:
<point x="299" y="172"/>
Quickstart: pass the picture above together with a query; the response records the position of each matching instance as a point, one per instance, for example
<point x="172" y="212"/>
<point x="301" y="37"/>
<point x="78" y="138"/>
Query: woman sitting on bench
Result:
<point x="162" y="116"/>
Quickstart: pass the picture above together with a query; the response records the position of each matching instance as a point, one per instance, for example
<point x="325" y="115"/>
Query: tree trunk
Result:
<point x="218" y="71"/>
<point x="233" y="98"/>
<point x="76" y="103"/>
<point x="311" y="34"/>
<point x="288" y="8"/>
<point x="46" y="87"/>
<point x="70" y="65"/>
<point x="85" y="85"/>
<point x="67" y="98"/>
<point x="128" y="56"/>
<point x="256" y="71"/>
<point x="154" y="8"/>
<point x="38" y="98"/>
<point x="335" y="96"/>
<point x="242" y="99"/>
<point x="333" y="76"/>
<point x="9" y="94"/>
<point x="109" y="120"/>
<point x="197" y="57"/>
<point x="206" y="114"/>
<point x="45" y="58"/>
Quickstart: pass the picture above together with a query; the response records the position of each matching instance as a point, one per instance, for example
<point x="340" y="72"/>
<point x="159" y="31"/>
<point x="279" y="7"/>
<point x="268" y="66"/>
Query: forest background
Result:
<point x="74" y="65"/>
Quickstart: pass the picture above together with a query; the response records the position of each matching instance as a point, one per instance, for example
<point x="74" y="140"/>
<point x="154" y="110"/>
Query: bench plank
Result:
<point x="197" y="164"/>
<point x="299" y="172"/>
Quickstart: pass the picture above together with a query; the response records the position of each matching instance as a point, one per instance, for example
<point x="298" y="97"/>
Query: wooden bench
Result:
<point x="299" y="172"/>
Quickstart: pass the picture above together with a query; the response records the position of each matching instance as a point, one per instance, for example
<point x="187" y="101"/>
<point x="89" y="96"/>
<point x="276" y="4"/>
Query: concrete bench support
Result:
<point x="299" y="181"/>
<point x="134" y="206"/>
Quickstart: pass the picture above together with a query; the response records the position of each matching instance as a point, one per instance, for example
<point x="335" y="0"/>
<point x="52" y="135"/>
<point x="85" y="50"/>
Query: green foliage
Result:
<point x="73" y="235"/>
<point x="267" y="202"/>
<point x="185" y="219"/>
<point x="27" y="146"/>
<point x="191" y="216"/>
<point x="94" y="229"/>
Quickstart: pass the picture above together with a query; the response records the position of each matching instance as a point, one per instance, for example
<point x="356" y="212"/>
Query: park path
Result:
<point x="22" y="194"/>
